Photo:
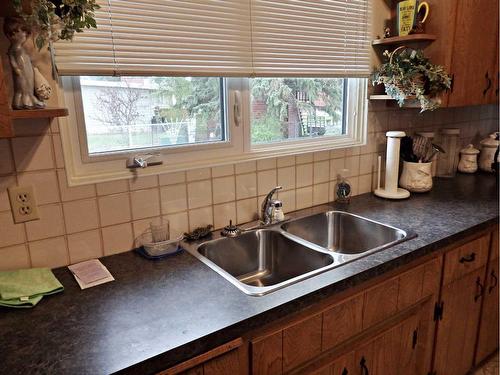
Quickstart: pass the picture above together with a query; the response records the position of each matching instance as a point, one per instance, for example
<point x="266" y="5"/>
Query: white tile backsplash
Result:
<point x="114" y="209"/>
<point x="84" y="222"/>
<point x="33" y="153"/>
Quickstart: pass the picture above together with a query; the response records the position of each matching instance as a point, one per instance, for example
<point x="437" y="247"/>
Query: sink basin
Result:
<point x="344" y="233"/>
<point x="263" y="260"/>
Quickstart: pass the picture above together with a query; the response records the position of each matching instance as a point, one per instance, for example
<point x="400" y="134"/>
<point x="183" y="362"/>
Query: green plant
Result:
<point x="51" y="20"/>
<point x="408" y="73"/>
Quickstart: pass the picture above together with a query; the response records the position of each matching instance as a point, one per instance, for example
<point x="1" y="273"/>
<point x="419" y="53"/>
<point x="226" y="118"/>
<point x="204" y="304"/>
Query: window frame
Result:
<point x="82" y="168"/>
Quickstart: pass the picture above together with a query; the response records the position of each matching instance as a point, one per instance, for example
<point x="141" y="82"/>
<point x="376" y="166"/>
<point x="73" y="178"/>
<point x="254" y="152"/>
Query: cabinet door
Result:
<point x="493" y="93"/>
<point x="488" y="332"/>
<point x="474" y="48"/>
<point x="393" y="352"/>
<point x="457" y="331"/>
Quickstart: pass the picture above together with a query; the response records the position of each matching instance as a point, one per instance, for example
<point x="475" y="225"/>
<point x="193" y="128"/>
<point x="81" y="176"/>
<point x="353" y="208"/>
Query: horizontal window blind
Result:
<point x="162" y="37"/>
<point x="222" y="38"/>
<point x="310" y="38"/>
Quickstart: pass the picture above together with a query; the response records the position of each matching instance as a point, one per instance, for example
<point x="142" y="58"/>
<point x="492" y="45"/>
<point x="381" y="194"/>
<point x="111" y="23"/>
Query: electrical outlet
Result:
<point x="23" y="203"/>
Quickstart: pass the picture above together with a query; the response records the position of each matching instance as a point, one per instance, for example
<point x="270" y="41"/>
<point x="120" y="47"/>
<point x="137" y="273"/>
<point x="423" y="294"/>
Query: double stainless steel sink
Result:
<point x="262" y="260"/>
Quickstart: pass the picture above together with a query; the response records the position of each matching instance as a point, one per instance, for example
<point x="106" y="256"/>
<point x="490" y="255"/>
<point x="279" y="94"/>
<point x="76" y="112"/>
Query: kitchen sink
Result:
<point x="262" y="260"/>
<point x="344" y="233"/>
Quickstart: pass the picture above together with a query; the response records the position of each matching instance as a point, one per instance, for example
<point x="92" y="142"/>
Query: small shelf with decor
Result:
<point x="407" y="39"/>
<point x="8" y="115"/>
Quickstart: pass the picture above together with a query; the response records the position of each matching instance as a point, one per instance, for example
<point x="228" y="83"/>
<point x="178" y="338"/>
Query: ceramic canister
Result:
<point x="416" y="177"/>
<point x="488" y="148"/>
<point x="468" y="159"/>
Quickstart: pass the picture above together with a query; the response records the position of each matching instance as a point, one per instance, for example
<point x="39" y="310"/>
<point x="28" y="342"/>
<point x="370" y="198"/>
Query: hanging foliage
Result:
<point x="52" y="20"/>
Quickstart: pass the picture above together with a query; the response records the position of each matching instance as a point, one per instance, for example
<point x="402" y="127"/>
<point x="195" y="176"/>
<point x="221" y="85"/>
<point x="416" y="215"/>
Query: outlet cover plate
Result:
<point x="23" y="203"/>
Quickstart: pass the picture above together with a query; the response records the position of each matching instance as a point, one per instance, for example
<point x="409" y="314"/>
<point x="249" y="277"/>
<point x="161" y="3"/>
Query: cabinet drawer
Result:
<point x="226" y="364"/>
<point x="301" y="342"/>
<point x="342" y="321"/>
<point x="380" y="302"/>
<point x="267" y="354"/>
<point x="465" y="259"/>
<point x="419" y="283"/>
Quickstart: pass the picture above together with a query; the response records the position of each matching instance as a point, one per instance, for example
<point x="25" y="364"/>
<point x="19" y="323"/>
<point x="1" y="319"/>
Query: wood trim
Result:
<point x="6" y="130"/>
<point x="39" y="113"/>
<point x="190" y="363"/>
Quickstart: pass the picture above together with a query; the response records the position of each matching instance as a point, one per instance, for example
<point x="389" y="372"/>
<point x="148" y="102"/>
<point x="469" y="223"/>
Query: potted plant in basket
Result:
<point x="408" y="74"/>
<point x="52" y="20"/>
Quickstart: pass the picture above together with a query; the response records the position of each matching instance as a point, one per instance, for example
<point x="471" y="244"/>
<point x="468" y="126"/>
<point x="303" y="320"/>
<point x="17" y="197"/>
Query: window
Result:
<point x="296" y="108"/>
<point x="174" y="80"/>
<point x="137" y="113"/>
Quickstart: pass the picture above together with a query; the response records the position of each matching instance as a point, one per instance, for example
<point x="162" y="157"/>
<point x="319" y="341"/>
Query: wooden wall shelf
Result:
<point x="380" y="97"/>
<point x="8" y="115"/>
<point x="398" y="40"/>
<point x="38" y="113"/>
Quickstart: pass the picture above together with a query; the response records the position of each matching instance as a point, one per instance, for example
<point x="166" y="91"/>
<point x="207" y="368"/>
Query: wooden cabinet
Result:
<point x="439" y="316"/>
<point x="457" y="329"/>
<point x="465" y="259"/>
<point x="301" y="342"/>
<point x="393" y="352"/>
<point x="388" y="316"/>
<point x="488" y="332"/>
<point x="461" y="298"/>
<point x="474" y="51"/>
<point x="488" y="326"/>
<point x="342" y="321"/>
<point x="466" y="45"/>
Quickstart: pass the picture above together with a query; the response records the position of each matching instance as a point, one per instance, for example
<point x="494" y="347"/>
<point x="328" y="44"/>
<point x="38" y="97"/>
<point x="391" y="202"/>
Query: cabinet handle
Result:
<point x="498" y="79"/>
<point x="495" y="281"/>
<point x="364" y="369"/>
<point x="480" y="287"/>
<point x="468" y="258"/>
<point x="488" y="84"/>
<point x="345" y="372"/>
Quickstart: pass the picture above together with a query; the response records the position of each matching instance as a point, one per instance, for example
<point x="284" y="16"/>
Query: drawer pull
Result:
<point x="345" y="372"/>
<point x="364" y="369"/>
<point x="488" y="84"/>
<point x="468" y="258"/>
<point x="495" y="282"/>
<point x="480" y="287"/>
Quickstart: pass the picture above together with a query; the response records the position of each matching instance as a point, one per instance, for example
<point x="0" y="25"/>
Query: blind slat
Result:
<point x="222" y="38"/>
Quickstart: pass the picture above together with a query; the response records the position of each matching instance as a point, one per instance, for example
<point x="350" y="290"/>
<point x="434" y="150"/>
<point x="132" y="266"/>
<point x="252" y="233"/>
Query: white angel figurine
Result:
<point x="24" y="77"/>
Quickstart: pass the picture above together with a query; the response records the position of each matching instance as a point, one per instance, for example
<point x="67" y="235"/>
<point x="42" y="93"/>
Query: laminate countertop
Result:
<point x="158" y="313"/>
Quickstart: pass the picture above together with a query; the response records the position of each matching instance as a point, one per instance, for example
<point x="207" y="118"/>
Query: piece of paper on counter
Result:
<point x="90" y="273"/>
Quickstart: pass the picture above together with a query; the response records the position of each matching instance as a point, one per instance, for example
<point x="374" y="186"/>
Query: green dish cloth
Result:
<point x="25" y="288"/>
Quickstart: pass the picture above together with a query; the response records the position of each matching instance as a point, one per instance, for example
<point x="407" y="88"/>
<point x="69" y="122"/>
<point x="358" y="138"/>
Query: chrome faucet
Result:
<point x="266" y="211"/>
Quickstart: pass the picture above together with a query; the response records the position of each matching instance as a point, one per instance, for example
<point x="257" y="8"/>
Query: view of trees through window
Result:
<point x="124" y="113"/>
<point x="289" y="108"/>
